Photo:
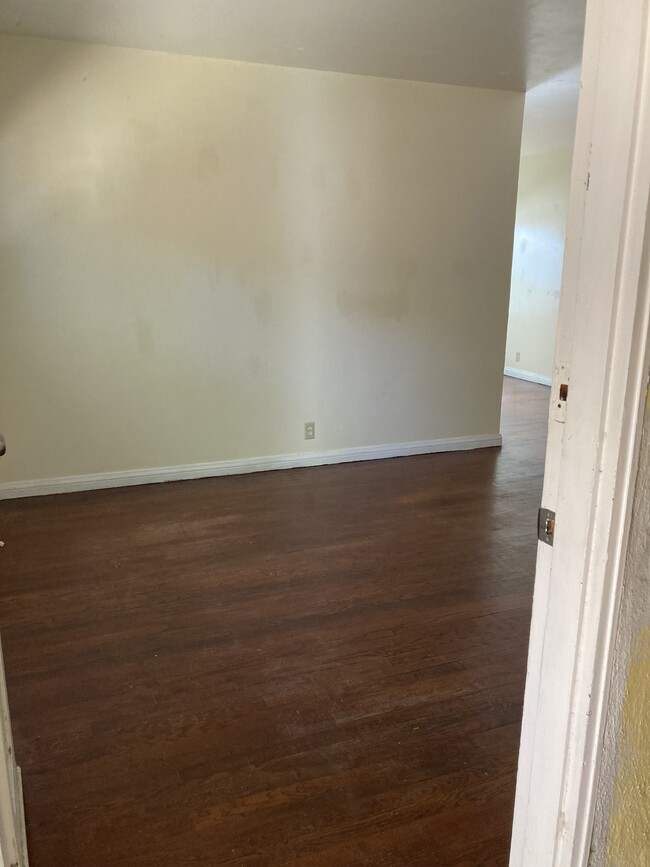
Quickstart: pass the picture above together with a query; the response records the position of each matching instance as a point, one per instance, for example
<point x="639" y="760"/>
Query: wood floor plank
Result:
<point x="292" y="669"/>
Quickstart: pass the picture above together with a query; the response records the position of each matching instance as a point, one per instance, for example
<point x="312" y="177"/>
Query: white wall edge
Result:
<point x="528" y="376"/>
<point x="65" y="484"/>
<point x="22" y="830"/>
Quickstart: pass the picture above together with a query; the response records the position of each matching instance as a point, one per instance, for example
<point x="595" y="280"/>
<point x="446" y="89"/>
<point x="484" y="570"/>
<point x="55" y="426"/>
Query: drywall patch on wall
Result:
<point x="199" y="256"/>
<point x="621" y="836"/>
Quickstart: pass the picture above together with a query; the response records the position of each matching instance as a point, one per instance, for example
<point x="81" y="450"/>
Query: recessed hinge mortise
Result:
<point x="546" y="526"/>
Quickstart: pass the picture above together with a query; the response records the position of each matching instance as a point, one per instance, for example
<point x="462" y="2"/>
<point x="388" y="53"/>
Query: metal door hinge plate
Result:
<point x="546" y="526"/>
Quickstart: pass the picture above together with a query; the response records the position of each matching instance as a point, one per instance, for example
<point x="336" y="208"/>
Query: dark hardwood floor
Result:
<point x="310" y="667"/>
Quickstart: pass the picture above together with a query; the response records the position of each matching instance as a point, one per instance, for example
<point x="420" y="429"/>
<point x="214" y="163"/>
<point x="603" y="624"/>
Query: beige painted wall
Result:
<point x="542" y="203"/>
<point x="198" y="256"/>
<point x="622" y="827"/>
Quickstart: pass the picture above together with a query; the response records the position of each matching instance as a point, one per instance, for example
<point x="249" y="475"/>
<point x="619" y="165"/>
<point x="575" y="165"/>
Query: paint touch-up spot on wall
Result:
<point x="145" y="131"/>
<point x="407" y="269"/>
<point x="263" y="306"/>
<point x="144" y="337"/>
<point x="353" y="185"/>
<point x="254" y="363"/>
<point x="318" y="176"/>
<point x="209" y="160"/>
<point x="253" y="103"/>
<point x="377" y="306"/>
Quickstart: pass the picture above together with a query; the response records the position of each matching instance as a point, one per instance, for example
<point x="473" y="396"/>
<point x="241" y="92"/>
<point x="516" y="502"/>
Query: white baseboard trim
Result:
<point x="527" y="375"/>
<point x="39" y="487"/>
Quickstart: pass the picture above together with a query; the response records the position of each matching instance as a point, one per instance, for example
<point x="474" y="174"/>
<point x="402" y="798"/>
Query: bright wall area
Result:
<point x="198" y="256"/>
<point x="542" y="203"/>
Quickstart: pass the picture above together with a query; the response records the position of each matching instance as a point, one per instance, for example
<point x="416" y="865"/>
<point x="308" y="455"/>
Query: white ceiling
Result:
<point x="502" y="44"/>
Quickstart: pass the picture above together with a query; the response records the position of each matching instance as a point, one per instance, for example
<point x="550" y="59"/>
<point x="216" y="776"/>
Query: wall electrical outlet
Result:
<point x="310" y="430"/>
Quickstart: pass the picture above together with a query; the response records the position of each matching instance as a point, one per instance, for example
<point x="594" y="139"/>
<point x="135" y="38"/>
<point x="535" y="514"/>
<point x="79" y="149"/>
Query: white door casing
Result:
<point x="593" y="442"/>
<point x="13" y="846"/>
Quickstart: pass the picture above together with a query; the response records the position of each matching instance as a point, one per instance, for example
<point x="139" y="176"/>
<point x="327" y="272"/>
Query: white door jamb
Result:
<point x="592" y="454"/>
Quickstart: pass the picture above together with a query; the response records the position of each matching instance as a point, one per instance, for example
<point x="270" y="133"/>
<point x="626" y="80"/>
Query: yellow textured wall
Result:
<point x="198" y="256"/>
<point x="622" y="827"/>
<point x="629" y="836"/>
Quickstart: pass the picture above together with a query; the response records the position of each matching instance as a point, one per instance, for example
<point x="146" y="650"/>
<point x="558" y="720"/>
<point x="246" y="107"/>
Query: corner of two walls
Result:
<point x="200" y="256"/>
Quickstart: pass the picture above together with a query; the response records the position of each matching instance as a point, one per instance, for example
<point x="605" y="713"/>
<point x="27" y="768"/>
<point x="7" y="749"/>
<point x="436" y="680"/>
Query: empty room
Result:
<point x="268" y="503"/>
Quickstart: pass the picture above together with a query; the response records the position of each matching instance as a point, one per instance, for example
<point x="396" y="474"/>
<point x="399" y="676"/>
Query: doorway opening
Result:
<point x="548" y="137"/>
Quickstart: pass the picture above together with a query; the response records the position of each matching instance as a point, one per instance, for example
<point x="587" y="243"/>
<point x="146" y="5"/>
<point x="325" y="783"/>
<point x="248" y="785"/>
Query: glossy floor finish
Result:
<point x="310" y="667"/>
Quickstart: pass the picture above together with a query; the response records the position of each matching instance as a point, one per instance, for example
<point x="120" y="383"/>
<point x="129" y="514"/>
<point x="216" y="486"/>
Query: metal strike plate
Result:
<point x="546" y="526"/>
<point x="560" y="393"/>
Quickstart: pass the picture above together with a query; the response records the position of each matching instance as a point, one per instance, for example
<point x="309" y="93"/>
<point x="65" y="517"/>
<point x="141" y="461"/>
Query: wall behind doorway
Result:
<point x="538" y="255"/>
<point x="198" y="256"/>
